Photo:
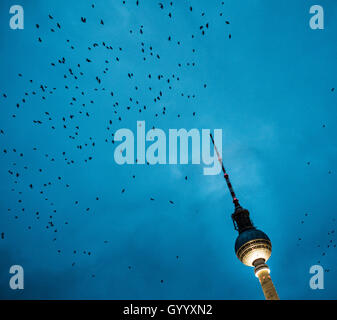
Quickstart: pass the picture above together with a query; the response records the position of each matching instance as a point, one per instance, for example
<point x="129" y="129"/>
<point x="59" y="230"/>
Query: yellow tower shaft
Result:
<point x="267" y="285"/>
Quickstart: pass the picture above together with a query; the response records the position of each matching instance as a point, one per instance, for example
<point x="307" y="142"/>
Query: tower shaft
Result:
<point x="263" y="273"/>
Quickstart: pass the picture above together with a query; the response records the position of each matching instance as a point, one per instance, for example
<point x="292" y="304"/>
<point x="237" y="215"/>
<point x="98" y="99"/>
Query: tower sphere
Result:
<point x="252" y="244"/>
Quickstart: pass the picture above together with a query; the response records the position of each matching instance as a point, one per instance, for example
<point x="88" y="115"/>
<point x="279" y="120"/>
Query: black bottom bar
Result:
<point x="168" y="309"/>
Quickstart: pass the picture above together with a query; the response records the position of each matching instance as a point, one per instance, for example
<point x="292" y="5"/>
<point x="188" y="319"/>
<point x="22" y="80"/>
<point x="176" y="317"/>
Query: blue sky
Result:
<point x="269" y="88"/>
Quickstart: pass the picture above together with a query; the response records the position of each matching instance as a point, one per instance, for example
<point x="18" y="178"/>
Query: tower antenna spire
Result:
<point x="226" y="176"/>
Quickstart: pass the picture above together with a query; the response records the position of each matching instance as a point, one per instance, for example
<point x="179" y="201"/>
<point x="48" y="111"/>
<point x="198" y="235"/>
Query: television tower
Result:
<point x="252" y="246"/>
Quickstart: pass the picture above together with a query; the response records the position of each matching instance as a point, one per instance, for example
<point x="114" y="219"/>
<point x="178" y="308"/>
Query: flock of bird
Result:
<point x="82" y="99"/>
<point x="330" y="245"/>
